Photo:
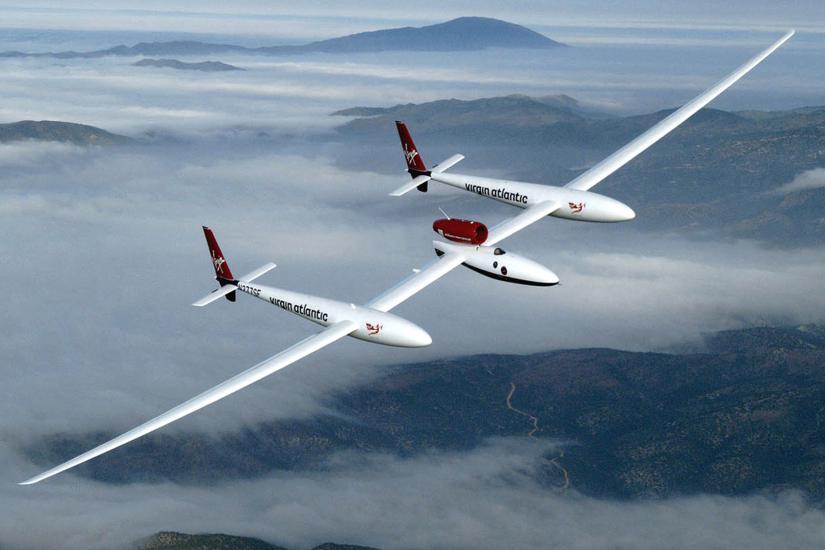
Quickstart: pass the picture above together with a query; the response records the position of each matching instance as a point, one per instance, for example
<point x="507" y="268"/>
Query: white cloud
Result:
<point x="24" y="153"/>
<point x="485" y="498"/>
<point x="805" y="181"/>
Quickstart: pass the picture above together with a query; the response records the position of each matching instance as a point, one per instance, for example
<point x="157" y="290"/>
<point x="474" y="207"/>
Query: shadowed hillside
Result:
<point x="169" y="540"/>
<point x="203" y="66"/>
<point x="51" y="130"/>
<point x="745" y="416"/>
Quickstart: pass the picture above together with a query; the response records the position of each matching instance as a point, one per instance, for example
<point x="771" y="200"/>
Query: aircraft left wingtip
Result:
<point x="36" y="479"/>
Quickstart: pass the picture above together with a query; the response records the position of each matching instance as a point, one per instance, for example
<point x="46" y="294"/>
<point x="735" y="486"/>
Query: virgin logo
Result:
<point x="372" y="330"/>
<point x="410" y="154"/>
<point x="576" y="207"/>
<point x="218" y="262"/>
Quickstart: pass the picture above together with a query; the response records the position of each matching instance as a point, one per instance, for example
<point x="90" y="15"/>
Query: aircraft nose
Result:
<point x="417" y="337"/>
<point x="617" y="211"/>
<point x="545" y="277"/>
<point x="628" y="213"/>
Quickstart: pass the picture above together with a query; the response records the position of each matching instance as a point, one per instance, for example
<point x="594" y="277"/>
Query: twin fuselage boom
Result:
<point x="575" y="204"/>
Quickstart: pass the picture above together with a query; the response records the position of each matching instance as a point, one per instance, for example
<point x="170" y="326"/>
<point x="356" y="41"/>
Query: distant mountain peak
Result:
<point x="204" y="66"/>
<point x="460" y="34"/>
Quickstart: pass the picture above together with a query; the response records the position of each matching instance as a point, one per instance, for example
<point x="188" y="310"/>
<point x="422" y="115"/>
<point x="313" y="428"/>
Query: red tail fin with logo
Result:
<point x="415" y="164"/>
<point x="222" y="271"/>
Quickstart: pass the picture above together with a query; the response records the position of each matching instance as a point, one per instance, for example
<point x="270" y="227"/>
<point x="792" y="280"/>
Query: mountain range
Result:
<point x="461" y="34"/>
<point x="169" y="540"/>
<point x="742" y="416"/>
<point x="721" y="172"/>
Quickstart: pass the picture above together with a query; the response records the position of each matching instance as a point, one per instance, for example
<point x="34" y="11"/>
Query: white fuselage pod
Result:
<point x="498" y="264"/>
<point x="373" y="326"/>
<point x="575" y="205"/>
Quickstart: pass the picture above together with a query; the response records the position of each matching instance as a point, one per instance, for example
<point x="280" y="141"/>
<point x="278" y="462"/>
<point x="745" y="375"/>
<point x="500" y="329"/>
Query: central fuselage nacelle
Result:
<point x="575" y="205"/>
<point x="498" y="264"/>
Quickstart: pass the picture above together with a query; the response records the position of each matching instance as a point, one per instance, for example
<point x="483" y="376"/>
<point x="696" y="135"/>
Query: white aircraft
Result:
<point x="472" y="245"/>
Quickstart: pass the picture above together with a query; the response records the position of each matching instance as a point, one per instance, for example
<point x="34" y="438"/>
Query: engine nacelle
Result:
<point x="461" y="231"/>
<point x="498" y="264"/>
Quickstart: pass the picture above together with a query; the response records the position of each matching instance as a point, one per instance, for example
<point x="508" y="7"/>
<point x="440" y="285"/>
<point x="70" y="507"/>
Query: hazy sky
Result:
<point x="280" y="18"/>
<point x="107" y="254"/>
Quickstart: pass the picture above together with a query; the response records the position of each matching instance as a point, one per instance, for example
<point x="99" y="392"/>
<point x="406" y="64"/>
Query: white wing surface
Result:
<point x="627" y="153"/>
<point x="417" y="282"/>
<point x="531" y="215"/>
<point x="300" y="350"/>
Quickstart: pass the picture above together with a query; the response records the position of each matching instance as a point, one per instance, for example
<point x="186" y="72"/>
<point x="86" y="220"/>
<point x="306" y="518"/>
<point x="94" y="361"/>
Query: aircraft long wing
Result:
<point x="443" y="265"/>
<point x="417" y="282"/>
<point x="627" y="153"/>
<point x="388" y="300"/>
<point x="531" y="215"/>
<point x="414" y="283"/>
<point x="300" y="350"/>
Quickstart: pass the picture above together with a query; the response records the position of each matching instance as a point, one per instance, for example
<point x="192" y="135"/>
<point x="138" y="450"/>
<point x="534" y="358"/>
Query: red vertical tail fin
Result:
<point x="415" y="164"/>
<point x="222" y="271"/>
<point x="414" y="161"/>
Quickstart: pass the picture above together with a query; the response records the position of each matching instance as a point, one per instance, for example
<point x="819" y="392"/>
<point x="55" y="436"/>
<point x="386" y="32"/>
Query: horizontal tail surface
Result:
<point x="225" y="290"/>
<point x="447" y="163"/>
<point x="254" y="274"/>
<point x="417" y="181"/>
<point x="228" y="289"/>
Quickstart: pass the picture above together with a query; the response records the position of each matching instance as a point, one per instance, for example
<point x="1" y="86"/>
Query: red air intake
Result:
<point x="461" y="231"/>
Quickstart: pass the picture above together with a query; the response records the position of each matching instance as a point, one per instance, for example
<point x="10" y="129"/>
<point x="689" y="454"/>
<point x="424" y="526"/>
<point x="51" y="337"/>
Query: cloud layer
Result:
<point x="109" y="244"/>
<point x="487" y="498"/>
<point x="103" y="255"/>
